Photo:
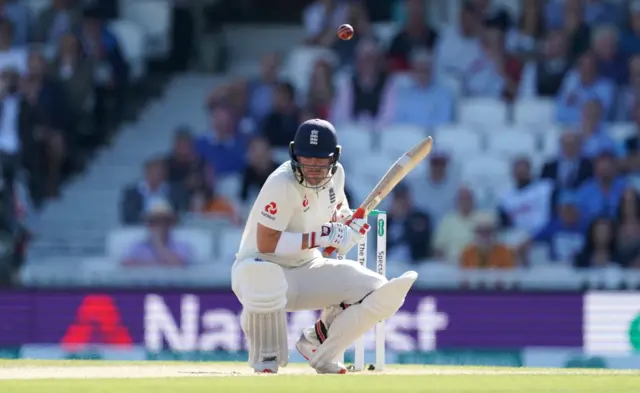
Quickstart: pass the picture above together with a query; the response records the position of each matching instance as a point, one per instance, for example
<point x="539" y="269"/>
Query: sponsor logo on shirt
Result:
<point x="332" y="195"/>
<point x="270" y="211"/>
<point x="305" y="203"/>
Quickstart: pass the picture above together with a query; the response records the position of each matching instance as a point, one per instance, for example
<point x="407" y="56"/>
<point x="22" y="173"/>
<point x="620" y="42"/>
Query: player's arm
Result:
<point x="276" y="201"/>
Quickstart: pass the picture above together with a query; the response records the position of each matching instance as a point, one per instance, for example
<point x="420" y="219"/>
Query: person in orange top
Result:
<point x="207" y="202"/>
<point x="485" y="252"/>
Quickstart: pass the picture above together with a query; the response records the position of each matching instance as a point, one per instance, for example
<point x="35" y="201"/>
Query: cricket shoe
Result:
<point x="306" y="347"/>
<point x="266" y="367"/>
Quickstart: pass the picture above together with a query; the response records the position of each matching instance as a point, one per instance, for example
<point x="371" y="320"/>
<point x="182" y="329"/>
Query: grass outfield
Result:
<point x="24" y="376"/>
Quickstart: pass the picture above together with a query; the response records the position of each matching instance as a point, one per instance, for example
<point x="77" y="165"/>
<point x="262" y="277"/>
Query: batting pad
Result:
<point x="267" y="337"/>
<point x="359" y="318"/>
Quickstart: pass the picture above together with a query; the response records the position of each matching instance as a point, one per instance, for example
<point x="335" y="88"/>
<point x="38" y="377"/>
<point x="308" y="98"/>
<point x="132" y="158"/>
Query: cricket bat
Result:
<point x="398" y="171"/>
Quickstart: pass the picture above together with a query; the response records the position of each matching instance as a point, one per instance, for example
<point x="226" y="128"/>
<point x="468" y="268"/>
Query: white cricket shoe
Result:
<point x="266" y="367"/>
<point x="306" y="347"/>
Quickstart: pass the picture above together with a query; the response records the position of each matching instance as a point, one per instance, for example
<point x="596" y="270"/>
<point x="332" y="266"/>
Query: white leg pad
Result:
<point x="267" y="337"/>
<point x="262" y="289"/>
<point x="359" y="318"/>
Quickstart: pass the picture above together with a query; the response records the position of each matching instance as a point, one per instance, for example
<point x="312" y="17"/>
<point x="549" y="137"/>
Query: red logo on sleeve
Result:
<point x="271" y="208"/>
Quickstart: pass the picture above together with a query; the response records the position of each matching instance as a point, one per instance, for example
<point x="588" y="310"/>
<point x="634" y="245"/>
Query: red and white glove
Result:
<point x="342" y="214"/>
<point x="340" y="236"/>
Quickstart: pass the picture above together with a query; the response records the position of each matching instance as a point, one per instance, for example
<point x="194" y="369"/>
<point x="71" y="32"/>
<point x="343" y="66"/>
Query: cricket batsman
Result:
<point x="300" y="210"/>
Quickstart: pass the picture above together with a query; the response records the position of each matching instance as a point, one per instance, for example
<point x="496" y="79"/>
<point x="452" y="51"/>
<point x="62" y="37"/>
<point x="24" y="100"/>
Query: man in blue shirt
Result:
<point x="579" y="87"/>
<point x="420" y="100"/>
<point x="565" y="233"/>
<point x="600" y="195"/>
<point x="222" y="147"/>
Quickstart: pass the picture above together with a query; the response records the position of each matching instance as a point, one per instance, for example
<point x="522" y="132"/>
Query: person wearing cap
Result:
<point x="564" y="234"/>
<point x="301" y="209"/>
<point x="408" y="229"/>
<point x="486" y="252"/>
<point x="159" y="248"/>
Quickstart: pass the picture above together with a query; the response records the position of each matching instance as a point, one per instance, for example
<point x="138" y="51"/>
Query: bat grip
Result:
<point x="359" y="213"/>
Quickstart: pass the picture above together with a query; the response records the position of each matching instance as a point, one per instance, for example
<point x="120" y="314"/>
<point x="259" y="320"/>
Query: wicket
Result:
<point x="381" y="268"/>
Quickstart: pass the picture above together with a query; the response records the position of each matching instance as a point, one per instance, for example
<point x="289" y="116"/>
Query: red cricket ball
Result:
<point x="345" y="32"/>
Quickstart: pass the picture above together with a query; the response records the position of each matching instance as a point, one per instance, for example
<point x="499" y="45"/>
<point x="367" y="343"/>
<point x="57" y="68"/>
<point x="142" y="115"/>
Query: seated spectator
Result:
<point x="456" y="229"/>
<point x="524" y="38"/>
<point x="205" y="201"/>
<point x="577" y="30"/>
<point x="612" y="63"/>
<point x="631" y="161"/>
<point x="222" y="147"/>
<point x="320" y="19"/>
<point x="570" y="169"/>
<point x="600" y="195"/>
<point x="11" y="57"/>
<point x="630" y="93"/>
<point x="47" y="123"/>
<point x="630" y="39"/>
<point x="259" y="166"/>
<point x="486" y="252"/>
<point x="493" y="15"/>
<point x="111" y="71"/>
<point x="10" y="148"/>
<point x="261" y="89"/>
<point x="137" y="198"/>
<point x="408" y="229"/>
<point x="593" y="131"/>
<point x="599" y="249"/>
<point x="358" y="18"/>
<point x="280" y="125"/>
<point x="494" y="73"/>
<point x="238" y="100"/>
<point x="321" y="91"/>
<point x="415" y="35"/>
<point x="57" y="19"/>
<point x="543" y="76"/>
<point x="458" y="45"/>
<point x="628" y="229"/>
<point x="527" y="205"/>
<point x="183" y="165"/>
<point x="437" y="193"/>
<point x="564" y="234"/>
<point x="422" y="101"/>
<point x="160" y="248"/>
<point x="17" y="12"/>
<point x="365" y="96"/>
<point x="75" y="72"/>
<point x="595" y="12"/>
<point x="579" y="87"/>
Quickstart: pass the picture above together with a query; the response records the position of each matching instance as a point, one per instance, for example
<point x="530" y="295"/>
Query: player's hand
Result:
<point x="342" y="214"/>
<point x="358" y="229"/>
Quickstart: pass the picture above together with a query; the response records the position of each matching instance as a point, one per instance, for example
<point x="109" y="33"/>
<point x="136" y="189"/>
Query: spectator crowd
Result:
<point x="581" y="205"/>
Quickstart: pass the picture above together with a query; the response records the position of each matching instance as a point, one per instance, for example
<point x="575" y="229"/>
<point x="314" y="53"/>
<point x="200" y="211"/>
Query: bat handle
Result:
<point x="359" y="213"/>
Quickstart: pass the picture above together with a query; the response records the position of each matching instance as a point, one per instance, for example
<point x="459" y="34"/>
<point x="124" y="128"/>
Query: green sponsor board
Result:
<point x="463" y="357"/>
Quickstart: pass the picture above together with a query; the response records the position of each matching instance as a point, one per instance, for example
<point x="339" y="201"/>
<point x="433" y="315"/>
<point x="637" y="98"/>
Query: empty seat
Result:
<point x="487" y="171"/>
<point x="551" y="141"/>
<point x="229" y="243"/>
<point x="511" y="144"/>
<point x="385" y="32"/>
<point x="483" y="112"/>
<point x="154" y="18"/>
<point x="534" y="112"/>
<point x="354" y="140"/>
<point x="398" y="139"/>
<point x="120" y="241"/>
<point x="457" y="140"/>
<point x="132" y="41"/>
